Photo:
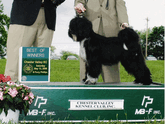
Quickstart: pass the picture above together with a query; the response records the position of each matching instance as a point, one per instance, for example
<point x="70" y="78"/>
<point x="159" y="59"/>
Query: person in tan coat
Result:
<point x="107" y="17"/>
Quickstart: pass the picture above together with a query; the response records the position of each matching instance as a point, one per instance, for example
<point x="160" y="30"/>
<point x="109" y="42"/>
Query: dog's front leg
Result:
<point x="91" y="80"/>
<point x="93" y="71"/>
<point x="86" y="71"/>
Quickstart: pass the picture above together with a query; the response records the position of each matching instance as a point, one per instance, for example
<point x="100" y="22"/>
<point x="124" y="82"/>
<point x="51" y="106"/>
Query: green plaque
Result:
<point x="75" y="102"/>
<point x="34" y="64"/>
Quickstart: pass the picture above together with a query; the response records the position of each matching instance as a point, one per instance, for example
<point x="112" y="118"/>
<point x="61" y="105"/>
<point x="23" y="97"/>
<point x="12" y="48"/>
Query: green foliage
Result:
<point x="142" y="35"/>
<point x="155" y="42"/>
<point x="52" y="49"/>
<point x="65" y="54"/>
<point x="4" y="25"/>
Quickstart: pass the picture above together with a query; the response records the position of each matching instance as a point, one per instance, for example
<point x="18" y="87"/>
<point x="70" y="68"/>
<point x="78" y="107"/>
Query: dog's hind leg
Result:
<point x="138" y="69"/>
<point x="143" y="76"/>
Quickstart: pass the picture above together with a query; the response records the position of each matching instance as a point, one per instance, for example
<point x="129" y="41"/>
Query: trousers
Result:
<point x="36" y="35"/>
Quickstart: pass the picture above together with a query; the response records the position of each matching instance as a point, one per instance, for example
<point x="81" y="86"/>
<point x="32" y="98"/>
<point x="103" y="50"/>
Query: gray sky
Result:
<point x="138" y="11"/>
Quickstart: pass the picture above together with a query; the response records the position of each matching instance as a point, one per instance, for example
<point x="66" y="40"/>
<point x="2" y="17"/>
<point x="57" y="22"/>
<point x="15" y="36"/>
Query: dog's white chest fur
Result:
<point x="82" y="50"/>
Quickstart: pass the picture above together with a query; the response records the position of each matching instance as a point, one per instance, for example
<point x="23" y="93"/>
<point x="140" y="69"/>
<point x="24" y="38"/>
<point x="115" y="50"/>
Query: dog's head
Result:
<point x="129" y="37"/>
<point x="79" y="28"/>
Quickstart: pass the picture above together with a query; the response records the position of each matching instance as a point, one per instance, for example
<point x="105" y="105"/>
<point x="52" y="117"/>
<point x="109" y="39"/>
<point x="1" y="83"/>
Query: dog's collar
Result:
<point x="80" y="16"/>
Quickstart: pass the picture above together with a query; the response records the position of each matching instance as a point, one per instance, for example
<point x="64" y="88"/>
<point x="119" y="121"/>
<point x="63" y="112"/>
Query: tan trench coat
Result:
<point x="106" y="18"/>
<point x="113" y="15"/>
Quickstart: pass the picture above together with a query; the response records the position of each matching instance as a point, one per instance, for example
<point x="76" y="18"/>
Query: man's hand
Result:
<point x="124" y="25"/>
<point x="80" y="8"/>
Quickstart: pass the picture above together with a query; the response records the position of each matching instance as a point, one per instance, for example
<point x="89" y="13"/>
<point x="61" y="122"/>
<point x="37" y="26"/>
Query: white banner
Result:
<point x="96" y="104"/>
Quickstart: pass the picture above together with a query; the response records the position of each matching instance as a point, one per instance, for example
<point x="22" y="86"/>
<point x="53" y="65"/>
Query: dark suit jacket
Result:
<point x="25" y="12"/>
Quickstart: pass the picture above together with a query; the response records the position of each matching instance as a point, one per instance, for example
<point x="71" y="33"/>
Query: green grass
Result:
<point x="68" y="71"/>
<point x="64" y="71"/>
<point x="2" y="65"/>
<point x="156" y="68"/>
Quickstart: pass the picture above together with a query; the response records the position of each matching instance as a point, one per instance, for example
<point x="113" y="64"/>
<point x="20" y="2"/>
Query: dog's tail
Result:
<point x="128" y="34"/>
<point x="156" y="83"/>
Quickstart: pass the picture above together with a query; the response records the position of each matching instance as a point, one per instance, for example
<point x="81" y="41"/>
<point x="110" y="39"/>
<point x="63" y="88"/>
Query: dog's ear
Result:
<point x="85" y="27"/>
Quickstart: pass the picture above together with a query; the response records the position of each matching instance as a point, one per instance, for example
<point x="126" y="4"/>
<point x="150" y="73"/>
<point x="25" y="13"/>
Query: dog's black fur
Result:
<point x="109" y="51"/>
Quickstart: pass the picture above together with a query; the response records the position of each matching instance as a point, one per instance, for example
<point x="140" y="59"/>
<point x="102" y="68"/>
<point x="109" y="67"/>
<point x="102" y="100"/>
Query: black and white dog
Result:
<point x="109" y="51"/>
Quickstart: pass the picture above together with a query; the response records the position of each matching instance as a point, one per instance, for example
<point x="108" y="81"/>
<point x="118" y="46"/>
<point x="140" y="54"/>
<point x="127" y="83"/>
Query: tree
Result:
<point x="4" y="26"/>
<point x="155" y="41"/>
<point x="142" y="35"/>
<point x="65" y="54"/>
<point x="52" y="49"/>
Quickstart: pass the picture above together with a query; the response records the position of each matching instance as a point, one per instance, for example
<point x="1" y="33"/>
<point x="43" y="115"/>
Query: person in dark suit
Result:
<point x="32" y="23"/>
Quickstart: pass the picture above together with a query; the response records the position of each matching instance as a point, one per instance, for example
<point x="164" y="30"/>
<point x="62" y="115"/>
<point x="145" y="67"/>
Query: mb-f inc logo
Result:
<point x="145" y="103"/>
<point x="147" y="100"/>
<point x="39" y="103"/>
